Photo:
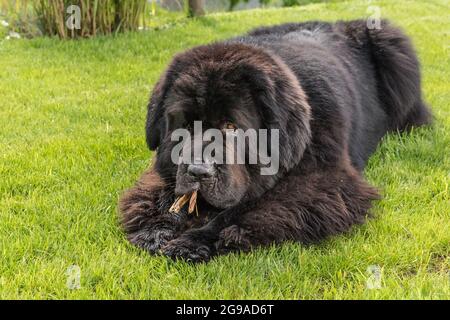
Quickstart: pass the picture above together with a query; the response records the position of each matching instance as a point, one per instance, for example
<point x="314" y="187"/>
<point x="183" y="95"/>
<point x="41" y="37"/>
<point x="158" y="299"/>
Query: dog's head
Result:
<point x="226" y="87"/>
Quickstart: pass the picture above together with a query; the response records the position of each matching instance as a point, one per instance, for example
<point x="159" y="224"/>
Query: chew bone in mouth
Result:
<point x="182" y="200"/>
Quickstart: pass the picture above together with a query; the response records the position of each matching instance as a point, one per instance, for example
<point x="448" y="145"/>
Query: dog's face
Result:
<point x="219" y="183"/>
<point x="226" y="88"/>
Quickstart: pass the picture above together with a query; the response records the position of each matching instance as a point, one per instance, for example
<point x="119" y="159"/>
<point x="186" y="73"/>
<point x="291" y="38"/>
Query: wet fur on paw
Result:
<point x="151" y="240"/>
<point x="187" y="249"/>
<point x="233" y="238"/>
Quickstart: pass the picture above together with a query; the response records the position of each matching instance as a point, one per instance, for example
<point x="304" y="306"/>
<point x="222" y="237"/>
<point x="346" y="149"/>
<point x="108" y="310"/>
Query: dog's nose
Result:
<point x="201" y="171"/>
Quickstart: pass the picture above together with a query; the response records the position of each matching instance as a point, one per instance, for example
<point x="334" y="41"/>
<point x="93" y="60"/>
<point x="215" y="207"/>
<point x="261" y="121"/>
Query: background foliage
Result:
<point x="28" y="18"/>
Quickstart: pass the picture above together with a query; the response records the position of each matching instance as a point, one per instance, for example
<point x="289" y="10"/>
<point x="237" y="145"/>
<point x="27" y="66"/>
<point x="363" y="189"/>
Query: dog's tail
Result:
<point x="398" y="75"/>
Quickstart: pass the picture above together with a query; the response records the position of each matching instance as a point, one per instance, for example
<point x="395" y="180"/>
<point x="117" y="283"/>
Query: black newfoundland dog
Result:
<point x="333" y="90"/>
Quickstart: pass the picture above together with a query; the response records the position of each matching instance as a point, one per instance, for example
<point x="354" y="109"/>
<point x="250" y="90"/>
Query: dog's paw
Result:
<point x="151" y="240"/>
<point x="233" y="238"/>
<point x="186" y="249"/>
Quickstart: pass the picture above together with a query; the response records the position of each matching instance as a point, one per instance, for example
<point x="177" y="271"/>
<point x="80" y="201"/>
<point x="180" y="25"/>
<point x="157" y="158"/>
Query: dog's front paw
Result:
<point x="233" y="238"/>
<point x="151" y="240"/>
<point x="187" y="249"/>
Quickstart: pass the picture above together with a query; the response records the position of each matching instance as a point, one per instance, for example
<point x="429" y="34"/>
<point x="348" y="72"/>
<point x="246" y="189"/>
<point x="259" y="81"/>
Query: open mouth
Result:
<point x="193" y="199"/>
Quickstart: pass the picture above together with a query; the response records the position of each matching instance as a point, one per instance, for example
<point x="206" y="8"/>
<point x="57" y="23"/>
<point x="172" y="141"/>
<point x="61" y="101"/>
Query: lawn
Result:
<point x="72" y="139"/>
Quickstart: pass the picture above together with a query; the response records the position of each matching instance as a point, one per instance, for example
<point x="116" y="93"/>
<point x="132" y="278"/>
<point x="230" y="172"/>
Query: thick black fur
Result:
<point x="333" y="91"/>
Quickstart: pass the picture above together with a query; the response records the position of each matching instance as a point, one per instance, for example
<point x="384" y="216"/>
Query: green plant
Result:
<point x="96" y="17"/>
<point x="291" y="3"/>
<point x="234" y="3"/>
<point x="17" y="17"/>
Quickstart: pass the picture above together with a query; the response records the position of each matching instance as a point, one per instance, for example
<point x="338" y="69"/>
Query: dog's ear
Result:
<point x="156" y="125"/>
<point x="282" y="105"/>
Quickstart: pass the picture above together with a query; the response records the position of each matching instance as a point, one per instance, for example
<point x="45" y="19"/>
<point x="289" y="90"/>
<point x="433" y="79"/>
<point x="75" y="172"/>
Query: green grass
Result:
<point x="72" y="138"/>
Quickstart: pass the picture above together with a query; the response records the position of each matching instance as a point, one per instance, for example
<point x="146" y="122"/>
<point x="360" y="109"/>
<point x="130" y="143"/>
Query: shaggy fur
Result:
<point x="333" y="91"/>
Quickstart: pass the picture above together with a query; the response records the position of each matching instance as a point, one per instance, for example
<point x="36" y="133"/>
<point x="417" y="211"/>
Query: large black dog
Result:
<point x="332" y="91"/>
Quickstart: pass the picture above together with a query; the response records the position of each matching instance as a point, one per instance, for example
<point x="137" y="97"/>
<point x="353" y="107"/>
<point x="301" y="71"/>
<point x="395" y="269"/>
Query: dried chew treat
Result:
<point x="193" y="202"/>
<point x="181" y="201"/>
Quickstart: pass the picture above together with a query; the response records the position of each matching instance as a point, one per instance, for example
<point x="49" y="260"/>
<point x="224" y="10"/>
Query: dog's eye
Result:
<point x="227" y="125"/>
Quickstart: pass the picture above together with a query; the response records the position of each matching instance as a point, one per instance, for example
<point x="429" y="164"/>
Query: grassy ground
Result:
<point x="72" y="138"/>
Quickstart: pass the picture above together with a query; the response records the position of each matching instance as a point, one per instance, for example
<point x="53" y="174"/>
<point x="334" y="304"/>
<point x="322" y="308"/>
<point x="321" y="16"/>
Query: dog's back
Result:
<point x="372" y="75"/>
